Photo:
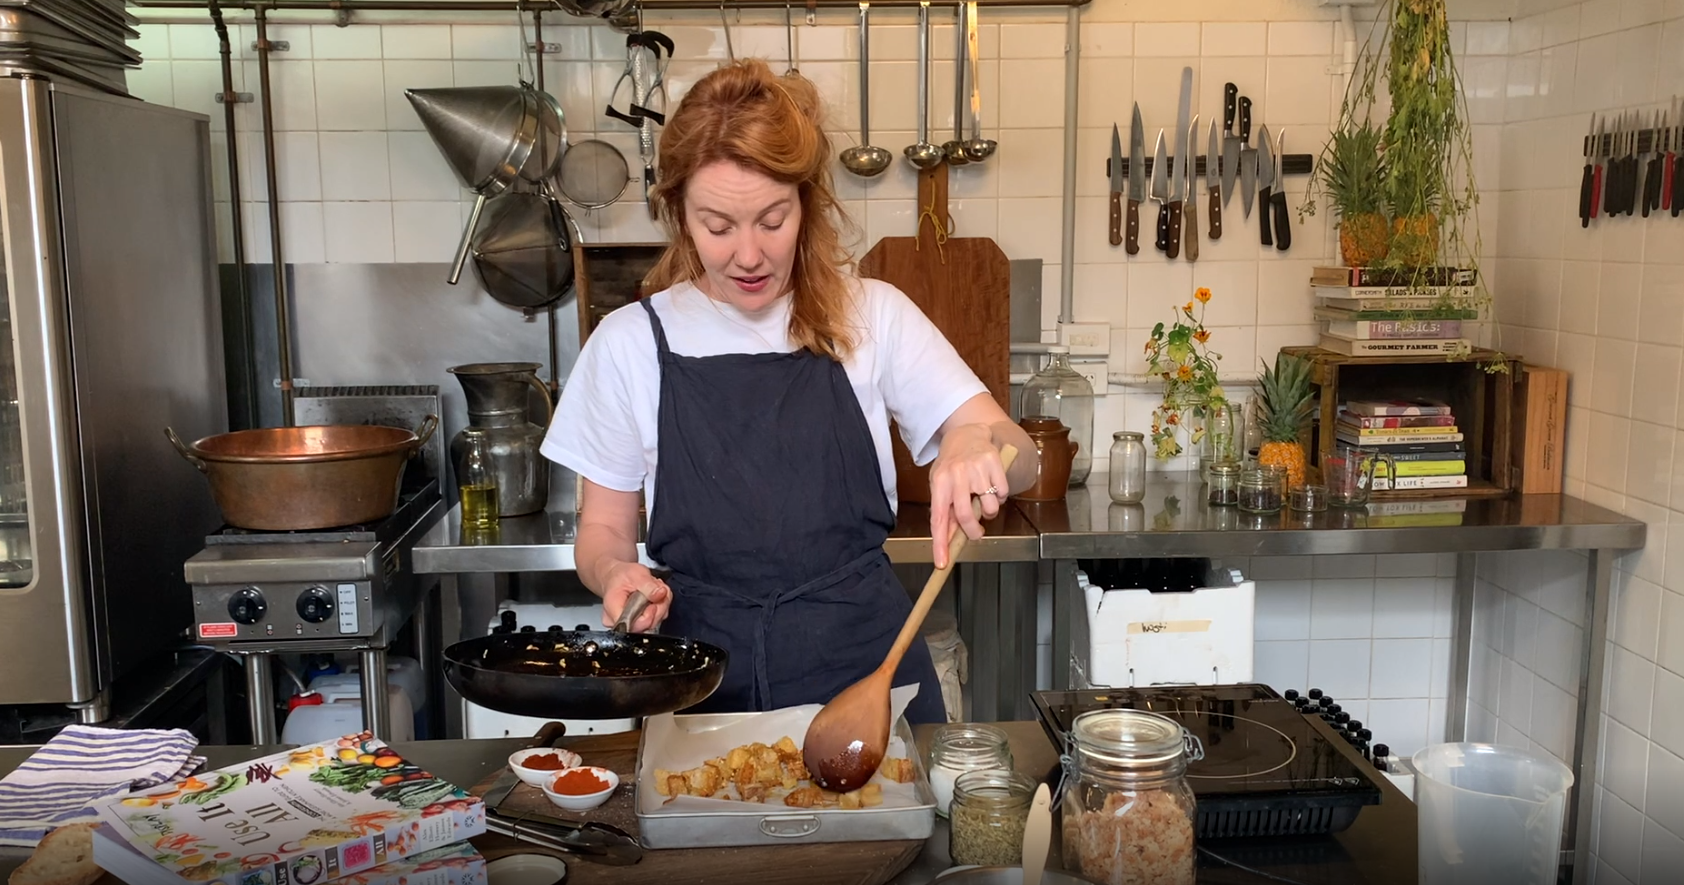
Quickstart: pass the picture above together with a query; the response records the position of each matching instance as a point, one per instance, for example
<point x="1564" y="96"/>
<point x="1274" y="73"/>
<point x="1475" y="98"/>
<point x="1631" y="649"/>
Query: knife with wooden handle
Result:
<point x="1136" y="181"/>
<point x="1116" y="187"/>
<point x="1190" y="206"/>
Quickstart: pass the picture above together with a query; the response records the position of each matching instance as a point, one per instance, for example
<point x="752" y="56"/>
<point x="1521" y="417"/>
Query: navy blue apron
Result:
<point x="771" y="514"/>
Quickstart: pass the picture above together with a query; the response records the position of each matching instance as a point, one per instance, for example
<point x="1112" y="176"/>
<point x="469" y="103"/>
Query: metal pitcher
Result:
<point x="497" y="405"/>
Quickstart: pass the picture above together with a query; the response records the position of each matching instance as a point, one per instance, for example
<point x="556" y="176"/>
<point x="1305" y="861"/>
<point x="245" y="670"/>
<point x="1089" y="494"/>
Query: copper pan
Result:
<point x="293" y="478"/>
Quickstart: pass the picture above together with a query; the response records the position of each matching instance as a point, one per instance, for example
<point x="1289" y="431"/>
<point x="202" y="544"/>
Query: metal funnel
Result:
<point x="479" y="129"/>
<point x="523" y="254"/>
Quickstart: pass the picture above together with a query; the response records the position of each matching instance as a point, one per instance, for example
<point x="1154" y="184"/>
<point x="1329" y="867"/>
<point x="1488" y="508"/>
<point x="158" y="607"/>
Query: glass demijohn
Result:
<point x="1059" y="391"/>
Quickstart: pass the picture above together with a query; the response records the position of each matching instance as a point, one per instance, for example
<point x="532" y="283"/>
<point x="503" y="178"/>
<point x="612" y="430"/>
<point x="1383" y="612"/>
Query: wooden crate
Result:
<point x="1483" y="403"/>
<point x="609" y="276"/>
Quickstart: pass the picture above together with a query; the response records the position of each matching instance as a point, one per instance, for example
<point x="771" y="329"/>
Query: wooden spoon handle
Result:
<point x="932" y="587"/>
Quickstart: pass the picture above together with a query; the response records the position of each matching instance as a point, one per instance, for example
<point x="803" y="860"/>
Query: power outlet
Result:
<point x="1095" y="370"/>
<point x="1085" y="339"/>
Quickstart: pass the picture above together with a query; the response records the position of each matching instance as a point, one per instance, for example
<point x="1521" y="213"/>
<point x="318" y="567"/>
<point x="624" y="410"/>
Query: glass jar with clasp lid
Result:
<point x="962" y="747"/>
<point x="1128" y="812"/>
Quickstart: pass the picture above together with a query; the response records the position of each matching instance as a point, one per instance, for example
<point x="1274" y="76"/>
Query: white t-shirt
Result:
<point x="606" y="420"/>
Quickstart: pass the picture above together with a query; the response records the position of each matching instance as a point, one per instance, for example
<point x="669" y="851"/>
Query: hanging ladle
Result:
<point x="924" y="155"/>
<point x="955" y="150"/>
<point x="977" y="148"/>
<point x="847" y="739"/>
<point x="865" y="159"/>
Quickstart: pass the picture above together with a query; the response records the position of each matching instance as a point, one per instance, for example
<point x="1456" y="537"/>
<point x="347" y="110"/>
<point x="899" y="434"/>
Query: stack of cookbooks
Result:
<point x="1421" y="436"/>
<point x="349" y="810"/>
<point x="1370" y="312"/>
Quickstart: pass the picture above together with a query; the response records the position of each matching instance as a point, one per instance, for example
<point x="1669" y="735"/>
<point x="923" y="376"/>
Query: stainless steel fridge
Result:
<point x="112" y="331"/>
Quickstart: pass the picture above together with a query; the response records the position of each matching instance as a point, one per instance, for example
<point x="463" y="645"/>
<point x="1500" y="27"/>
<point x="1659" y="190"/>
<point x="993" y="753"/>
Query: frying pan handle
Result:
<point x="186" y="450"/>
<point x="547" y="735"/>
<point x="628" y="615"/>
<point x="425" y="431"/>
<point x="544" y="394"/>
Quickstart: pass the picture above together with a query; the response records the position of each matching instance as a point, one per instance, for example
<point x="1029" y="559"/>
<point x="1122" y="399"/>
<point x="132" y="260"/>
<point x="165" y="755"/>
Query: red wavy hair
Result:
<point x="747" y="115"/>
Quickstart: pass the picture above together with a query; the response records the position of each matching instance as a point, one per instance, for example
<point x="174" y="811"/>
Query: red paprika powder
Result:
<point x="578" y="782"/>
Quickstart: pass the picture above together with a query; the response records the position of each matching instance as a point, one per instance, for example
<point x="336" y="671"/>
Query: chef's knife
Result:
<point x="1611" y="180"/>
<point x="1265" y="183"/>
<point x="1587" y="181"/>
<point x="1230" y="142"/>
<point x="1652" y="176"/>
<point x="1160" y="192"/>
<point x="1211" y="183"/>
<point x="1277" y="201"/>
<point x="1248" y="157"/>
<point x="1117" y="188"/>
<point x="1178" y="181"/>
<point x="1137" y="179"/>
<point x="1190" y="206"/>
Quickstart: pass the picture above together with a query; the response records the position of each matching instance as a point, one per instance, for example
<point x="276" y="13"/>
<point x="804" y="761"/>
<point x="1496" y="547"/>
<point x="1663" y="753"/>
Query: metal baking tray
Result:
<point x="23" y="27"/>
<point x="779" y="825"/>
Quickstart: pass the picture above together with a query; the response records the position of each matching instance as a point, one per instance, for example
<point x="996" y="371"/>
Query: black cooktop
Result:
<point x="1267" y="770"/>
<point x="414" y="499"/>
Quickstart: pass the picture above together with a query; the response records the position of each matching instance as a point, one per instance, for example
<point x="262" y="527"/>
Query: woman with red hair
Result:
<point x="749" y="399"/>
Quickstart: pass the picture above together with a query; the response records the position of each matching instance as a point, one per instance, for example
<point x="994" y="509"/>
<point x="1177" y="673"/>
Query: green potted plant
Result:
<point x="1424" y="129"/>
<point x="1352" y="174"/>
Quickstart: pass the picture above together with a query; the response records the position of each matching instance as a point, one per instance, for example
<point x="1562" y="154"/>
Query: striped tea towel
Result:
<point x="82" y="765"/>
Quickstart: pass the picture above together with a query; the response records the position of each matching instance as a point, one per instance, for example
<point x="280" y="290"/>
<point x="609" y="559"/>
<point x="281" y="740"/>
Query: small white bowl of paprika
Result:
<point x="581" y="788"/>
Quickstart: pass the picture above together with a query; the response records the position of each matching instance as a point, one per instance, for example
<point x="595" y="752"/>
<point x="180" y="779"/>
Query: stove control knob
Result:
<point x="247" y="606"/>
<point x="315" y="605"/>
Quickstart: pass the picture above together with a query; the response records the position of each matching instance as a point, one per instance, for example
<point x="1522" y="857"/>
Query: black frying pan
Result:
<point x="595" y="674"/>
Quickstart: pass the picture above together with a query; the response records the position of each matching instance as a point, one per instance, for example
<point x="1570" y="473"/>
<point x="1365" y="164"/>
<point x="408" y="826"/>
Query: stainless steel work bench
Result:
<point x="1037" y="545"/>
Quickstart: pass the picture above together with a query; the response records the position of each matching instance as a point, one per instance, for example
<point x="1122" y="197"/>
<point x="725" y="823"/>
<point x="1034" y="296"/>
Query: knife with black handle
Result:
<point x="1587" y="183"/>
<point x="1265" y="185"/>
<point x="1283" y="217"/>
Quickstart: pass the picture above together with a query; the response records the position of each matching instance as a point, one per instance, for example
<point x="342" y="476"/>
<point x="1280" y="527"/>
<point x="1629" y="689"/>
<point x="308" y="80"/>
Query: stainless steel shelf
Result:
<point x="1175" y="521"/>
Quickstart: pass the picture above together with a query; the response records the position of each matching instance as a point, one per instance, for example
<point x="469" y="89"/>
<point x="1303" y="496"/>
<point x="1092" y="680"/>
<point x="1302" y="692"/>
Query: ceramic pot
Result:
<point x="1057" y="455"/>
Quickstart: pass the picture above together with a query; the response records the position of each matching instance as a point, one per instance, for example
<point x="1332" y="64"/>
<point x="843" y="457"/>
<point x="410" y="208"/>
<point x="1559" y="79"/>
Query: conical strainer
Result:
<point x="523" y="250"/>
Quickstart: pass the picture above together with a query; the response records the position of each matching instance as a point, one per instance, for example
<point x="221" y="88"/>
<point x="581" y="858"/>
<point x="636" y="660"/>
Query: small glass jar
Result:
<point x="962" y="747"/>
<point x="1128" y="811"/>
<point x="1308" y="498"/>
<point x="1128" y="467"/>
<point x="1260" y="491"/>
<point x="988" y="815"/>
<point x="1222" y="484"/>
<point x="476" y="482"/>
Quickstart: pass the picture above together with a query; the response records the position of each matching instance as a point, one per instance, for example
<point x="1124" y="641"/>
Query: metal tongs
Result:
<point x="595" y="842"/>
<point x="646" y="71"/>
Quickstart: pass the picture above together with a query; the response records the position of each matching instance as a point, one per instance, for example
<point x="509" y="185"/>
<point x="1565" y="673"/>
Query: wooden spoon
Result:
<point x="1037" y="836"/>
<point x="847" y="739"/>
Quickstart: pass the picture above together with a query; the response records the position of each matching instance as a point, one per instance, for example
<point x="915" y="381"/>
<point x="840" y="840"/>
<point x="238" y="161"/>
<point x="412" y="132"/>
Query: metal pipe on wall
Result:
<point x="283" y="319"/>
<point x="550" y="314"/>
<point x="1067" y="248"/>
<point x="248" y="344"/>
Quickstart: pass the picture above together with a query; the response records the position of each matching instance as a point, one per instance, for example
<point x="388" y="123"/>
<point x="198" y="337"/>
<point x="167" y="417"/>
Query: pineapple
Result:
<point x="1284" y="394"/>
<point x="1352" y="171"/>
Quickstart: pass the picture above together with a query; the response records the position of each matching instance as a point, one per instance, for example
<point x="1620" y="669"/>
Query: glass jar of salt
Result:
<point x="961" y="747"/>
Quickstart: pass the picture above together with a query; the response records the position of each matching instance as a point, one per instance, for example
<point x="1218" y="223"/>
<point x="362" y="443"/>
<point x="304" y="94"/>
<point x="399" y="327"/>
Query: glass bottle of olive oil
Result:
<point x="477" y="483"/>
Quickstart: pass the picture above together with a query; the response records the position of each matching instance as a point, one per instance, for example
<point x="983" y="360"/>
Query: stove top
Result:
<point x="414" y="500"/>
<point x="1267" y="770"/>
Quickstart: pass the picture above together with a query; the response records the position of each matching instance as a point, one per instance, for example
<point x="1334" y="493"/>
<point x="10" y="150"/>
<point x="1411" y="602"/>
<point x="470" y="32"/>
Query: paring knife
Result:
<point x="1137" y="179"/>
<point x="1211" y="183"/>
<point x="1247" y="160"/>
<point x="1277" y="201"/>
<point x="1230" y="142"/>
<point x="1587" y="181"/>
<point x="1265" y="184"/>
<point x="1117" y="190"/>
<point x="1178" y="182"/>
<point x="1160" y="192"/>
<point x="1190" y="207"/>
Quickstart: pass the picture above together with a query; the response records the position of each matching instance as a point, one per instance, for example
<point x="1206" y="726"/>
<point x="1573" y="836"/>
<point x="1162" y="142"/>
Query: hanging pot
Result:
<point x="492" y="137"/>
<point x="523" y="249"/>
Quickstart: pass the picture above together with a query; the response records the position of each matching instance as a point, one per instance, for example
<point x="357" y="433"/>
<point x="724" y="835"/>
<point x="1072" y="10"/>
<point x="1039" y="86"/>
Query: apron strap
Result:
<point x="661" y="347"/>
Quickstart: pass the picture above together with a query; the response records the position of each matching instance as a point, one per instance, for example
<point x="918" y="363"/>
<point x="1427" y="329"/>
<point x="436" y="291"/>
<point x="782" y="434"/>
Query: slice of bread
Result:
<point x="65" y="857"/>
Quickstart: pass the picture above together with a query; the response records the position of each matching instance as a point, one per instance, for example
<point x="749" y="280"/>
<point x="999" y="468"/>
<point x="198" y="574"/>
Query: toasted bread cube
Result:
<point x="754" y="792"/>
<point x="899" y="770"/>
<point x="871" y="795"/>
<point x="851" y="800"/>
<point x="674" y="786"/>
<point x="703" y="781"/>
<point x="735" y="759"/>
<point x="661" y="785"/>
<point x="806" y="797"/>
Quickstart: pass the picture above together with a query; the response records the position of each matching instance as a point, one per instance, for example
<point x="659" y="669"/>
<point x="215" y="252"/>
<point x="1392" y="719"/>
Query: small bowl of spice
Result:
<point x="581" y="788"/>
<point x="540" y="766"/>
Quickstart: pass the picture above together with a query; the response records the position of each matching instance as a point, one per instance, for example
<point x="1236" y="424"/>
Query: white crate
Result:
<point x="1137" y="638"/>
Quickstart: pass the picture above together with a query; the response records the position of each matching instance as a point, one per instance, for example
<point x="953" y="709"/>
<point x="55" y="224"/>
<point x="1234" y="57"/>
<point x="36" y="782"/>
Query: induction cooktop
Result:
<point x="1267" y="770"/>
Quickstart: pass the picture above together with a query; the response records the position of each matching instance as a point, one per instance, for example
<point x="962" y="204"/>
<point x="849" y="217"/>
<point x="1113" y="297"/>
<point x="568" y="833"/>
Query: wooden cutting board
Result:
<point x="860" y="863"/>
<point x="963" y="284"/>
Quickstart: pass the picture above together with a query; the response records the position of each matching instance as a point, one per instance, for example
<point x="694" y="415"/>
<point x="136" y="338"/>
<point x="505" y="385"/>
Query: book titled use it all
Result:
<point x="313" y="814"/>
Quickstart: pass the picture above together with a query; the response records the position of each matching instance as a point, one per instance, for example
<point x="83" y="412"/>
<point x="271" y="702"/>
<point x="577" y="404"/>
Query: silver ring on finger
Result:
<point x="992" y="490"/>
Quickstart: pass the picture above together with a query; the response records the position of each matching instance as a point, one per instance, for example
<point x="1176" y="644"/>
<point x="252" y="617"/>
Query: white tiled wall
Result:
<point x="1607" y="304"/>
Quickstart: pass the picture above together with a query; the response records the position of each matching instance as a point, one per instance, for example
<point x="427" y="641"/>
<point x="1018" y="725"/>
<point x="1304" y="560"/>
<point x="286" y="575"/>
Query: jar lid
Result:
<point x="1058" y="348"/>
<point x="1128" y="434"/>
<point x="1225" y="468"/>
<point x="1135" y="738"/>
<point x="965" y="745"/>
